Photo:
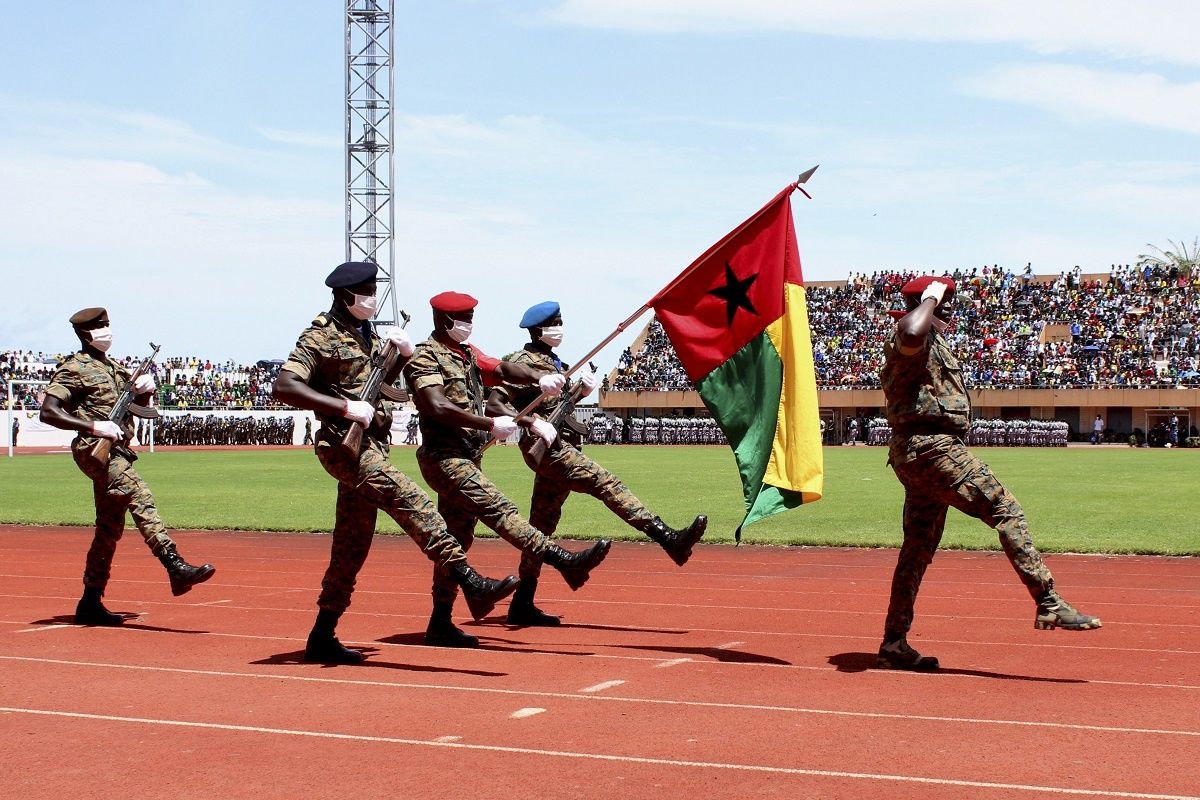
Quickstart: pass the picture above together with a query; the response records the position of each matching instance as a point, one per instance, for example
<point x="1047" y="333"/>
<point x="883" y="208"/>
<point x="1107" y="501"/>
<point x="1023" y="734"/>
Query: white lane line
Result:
<point x="666" y="762"/>
<point x="215" y="602"/>
<point x="40" y="628"/>
<point x="729" y="645"/>
<point x="606" y="698"/>
<point x="674" y="662"/>
<point x="522" y="713"/>
<point x="445" y="739"/>
<point x="600" y="687"/>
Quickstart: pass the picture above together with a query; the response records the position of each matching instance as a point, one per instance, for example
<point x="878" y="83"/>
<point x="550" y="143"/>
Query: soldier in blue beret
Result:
<point x="929" y="412"/>
<point x="564" y="468"/>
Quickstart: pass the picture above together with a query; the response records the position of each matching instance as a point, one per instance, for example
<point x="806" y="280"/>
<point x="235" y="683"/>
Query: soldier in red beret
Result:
<point x="930" y="414"/>
<point x="448" y="376"/>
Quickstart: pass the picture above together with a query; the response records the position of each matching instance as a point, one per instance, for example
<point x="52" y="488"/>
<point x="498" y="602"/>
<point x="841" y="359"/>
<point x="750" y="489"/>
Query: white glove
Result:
<point x="503" y="427"/>
<point x="359" y="411"/>
<point x="552" y="384"/>
<point x="936" y="290"/>
<point x="144" y="384"/>
<point x="545" y="430"/>
<point x="589" y="381"/>
<point x="108" y="430"/>
<point x="399" y="340"/>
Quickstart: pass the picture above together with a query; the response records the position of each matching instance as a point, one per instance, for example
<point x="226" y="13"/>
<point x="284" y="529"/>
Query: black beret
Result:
<point x="86" y="315"/>
<point x="351" y="273"/>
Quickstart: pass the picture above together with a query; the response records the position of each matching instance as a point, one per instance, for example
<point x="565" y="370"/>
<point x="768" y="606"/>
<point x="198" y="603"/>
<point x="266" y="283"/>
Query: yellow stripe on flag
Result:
<point x="797" y="463"/>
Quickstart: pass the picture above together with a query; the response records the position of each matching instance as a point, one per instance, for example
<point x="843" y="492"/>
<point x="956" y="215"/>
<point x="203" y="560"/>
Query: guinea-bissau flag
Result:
<point x="739" y="321"/>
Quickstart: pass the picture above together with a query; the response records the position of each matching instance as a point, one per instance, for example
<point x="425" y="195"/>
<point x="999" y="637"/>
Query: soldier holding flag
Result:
<point x="564" y="468"/>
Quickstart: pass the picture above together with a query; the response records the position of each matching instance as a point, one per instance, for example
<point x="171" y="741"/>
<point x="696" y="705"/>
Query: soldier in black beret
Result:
<point x="81" y="395"/>
<point x="327" y="373"/>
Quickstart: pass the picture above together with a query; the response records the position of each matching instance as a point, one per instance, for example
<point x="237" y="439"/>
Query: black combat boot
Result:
<point x="442" y="632"/>
<point x="678" y="544"/>
<point x="523" y="613"/>
<point x="323" y="646"/>
<point x="576" y="568"/>
<point x="183" y="575"/>
<point x="482" y="593"/>
<point x="91" y="611"/>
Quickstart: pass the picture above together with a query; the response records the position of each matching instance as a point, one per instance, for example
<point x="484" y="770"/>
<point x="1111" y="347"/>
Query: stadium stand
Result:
<point x="1135" y="328"/>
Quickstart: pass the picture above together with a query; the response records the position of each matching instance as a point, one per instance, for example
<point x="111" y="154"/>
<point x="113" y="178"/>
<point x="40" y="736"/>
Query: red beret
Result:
<point x="452" y="302"/>
<point x="897" y="315"/>
<point x="917" y="286"/>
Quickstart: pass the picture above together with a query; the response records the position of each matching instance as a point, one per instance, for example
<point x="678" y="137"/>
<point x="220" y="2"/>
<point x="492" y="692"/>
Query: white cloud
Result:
<point x="1071" y="91"/>
<point x="317" y="139"/>
<point x="1145" y="30"/>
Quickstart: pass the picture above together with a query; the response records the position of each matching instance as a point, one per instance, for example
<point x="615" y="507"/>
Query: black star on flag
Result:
<point x="735" y="293"/>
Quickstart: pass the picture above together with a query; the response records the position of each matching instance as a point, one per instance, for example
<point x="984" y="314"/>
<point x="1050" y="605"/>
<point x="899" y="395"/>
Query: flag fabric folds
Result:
<point x="738" y="318"/>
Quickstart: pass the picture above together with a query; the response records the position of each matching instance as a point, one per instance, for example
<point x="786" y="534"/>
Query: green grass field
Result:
<point x="1101" y="500"/>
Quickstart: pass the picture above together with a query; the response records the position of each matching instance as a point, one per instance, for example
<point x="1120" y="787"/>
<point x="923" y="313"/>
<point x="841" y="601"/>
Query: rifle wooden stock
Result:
<point x="352" y="441"/>
<point x="102" y="450"/>
<point x="537" y="450"/>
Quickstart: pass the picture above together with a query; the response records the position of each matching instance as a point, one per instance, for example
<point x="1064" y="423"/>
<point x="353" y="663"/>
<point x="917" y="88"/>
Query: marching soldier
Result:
<point x="447" y="376"/>
<point x="565" y="469"/>
<point x="930" y="413"/>
<point x="326" y="373"/>
<point x="82" y="393"/>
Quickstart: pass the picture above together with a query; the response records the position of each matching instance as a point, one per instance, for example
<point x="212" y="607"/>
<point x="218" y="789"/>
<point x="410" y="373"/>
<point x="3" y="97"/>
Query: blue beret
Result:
<point x="542" y="312"/>
<point x="351" y="273"/>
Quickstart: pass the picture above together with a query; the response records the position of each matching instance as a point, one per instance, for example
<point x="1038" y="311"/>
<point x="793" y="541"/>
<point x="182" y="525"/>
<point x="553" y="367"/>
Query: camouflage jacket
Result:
<point x="456" y="370"/>
<point x="88" y="388"/>
<point x="334" y="356"/>
<point x="521" y="395"/>
<point x="924" y="392"/>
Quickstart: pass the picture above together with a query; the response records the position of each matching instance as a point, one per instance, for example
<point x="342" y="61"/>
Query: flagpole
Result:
<point x="695" y="265"/>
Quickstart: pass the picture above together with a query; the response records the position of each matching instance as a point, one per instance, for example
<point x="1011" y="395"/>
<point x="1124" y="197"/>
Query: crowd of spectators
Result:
<point x="1136" y="327"/>
<point x="183" y="382"/>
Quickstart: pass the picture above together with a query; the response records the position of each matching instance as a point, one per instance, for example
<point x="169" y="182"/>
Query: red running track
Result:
<point x="745" y="674"/>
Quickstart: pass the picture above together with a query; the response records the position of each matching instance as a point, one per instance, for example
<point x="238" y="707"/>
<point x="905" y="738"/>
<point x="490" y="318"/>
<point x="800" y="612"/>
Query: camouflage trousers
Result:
<point x="116" y="488"/>
<point x="465" y="496"/>
<point x="365" y="485"/>
<point x="565" y="469"/>
<point x="938" y="472"/>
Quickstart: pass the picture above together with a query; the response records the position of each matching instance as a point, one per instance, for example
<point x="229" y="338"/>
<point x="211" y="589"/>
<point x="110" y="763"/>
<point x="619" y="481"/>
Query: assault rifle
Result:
<point x="102" y="450"/>
<point x="384" y="362"/>
<point x="557" y="417"/>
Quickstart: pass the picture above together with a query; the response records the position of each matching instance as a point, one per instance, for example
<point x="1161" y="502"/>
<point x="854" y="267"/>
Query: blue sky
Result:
<point x="181" y="162"/>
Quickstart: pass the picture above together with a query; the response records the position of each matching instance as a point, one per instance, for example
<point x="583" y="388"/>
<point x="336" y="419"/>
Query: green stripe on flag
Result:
<point x="743" y="396"/>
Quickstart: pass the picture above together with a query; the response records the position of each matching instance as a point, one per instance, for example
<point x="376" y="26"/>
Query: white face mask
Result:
<point x="364" y="306"/>
<point x="552" y="335"/>
<point x="101" y="339"/>
<point x="461" y="331"/>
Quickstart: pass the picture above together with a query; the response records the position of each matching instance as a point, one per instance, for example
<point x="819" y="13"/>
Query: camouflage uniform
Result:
<point x="88" y="387"/>
<point x="450" y="459"/>
<point x="929" y="412"/>
<point x="563" y="469"/>
<point x="334" y="356"/>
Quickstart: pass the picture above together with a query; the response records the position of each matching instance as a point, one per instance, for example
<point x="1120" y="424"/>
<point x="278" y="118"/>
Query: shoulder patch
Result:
<point x="322" y="320"/>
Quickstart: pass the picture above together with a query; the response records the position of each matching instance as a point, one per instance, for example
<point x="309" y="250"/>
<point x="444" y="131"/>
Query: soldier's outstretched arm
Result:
<point x="53" y="413"/>
<point x="432" y="402"/>
<point x="291" y="389"/>
<point x="498" y="405"/>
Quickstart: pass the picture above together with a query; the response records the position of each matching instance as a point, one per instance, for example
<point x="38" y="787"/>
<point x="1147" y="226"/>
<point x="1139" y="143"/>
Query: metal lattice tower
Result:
<point x="370" y="125"/>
